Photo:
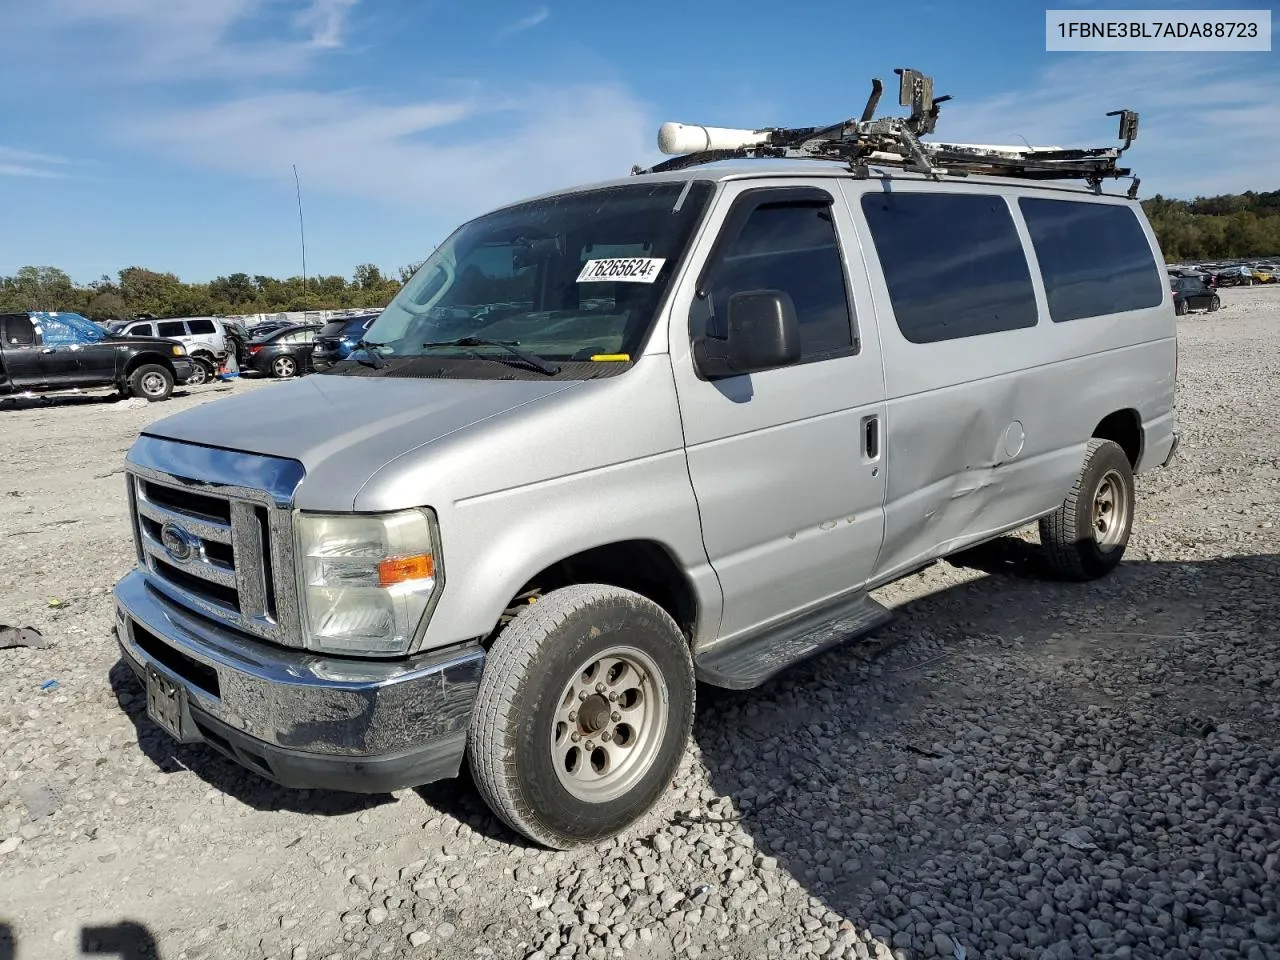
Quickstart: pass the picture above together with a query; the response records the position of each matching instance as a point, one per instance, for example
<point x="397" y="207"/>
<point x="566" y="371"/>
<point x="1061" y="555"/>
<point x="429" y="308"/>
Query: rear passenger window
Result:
<point x="19" y="331"/>
<point x="953" y="264"/>
<point x="1094" y="257"/>
<point x="789" y="246"/>
<point x="201" y="326"/>
<point x="172" y="328"/>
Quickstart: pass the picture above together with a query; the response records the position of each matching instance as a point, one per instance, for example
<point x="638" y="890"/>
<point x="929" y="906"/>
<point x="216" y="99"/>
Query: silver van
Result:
<point x="621" y="438"/>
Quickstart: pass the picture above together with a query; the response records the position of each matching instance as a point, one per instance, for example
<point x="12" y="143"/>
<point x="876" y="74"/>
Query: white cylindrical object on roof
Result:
<point x="681" y="138"/>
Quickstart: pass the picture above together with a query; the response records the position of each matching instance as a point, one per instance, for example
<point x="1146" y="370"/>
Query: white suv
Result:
<point x="204" y="337"/>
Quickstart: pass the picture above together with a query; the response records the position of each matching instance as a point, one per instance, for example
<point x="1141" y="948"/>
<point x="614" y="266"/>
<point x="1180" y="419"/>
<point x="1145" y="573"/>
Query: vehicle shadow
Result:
<point x="36" y="401"/>
<point x="883" y="808"/>
<point x="126" y="940"/>
<point x="223" y="774"/>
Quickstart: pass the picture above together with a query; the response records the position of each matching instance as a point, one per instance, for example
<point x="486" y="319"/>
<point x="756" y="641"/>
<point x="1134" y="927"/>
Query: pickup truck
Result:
<point x="46" y="352"/>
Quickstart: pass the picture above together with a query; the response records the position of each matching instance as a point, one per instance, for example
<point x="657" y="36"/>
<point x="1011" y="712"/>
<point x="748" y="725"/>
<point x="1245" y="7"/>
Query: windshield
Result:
<point x="574" y="277"/>
<point x="67" y="328"/>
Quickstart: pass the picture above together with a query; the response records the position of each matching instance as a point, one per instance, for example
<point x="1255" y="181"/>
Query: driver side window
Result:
<point x="790" y="246"/>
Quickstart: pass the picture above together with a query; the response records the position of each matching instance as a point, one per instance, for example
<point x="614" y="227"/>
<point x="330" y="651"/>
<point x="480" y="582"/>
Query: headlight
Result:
<point x="366" y="579"/>
<point x="179" y="351"/>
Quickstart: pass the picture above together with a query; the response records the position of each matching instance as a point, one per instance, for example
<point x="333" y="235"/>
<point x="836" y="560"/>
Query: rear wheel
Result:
<point x="284" y="367"/>
<point x="1086" y="537"/>
<point x="583" y="713"/>
<point x="1181" y="308"/>
<point x="151" y="381"/>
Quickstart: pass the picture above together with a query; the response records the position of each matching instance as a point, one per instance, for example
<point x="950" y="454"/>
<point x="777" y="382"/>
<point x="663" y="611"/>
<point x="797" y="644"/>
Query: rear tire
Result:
<point x="1086" y="537"/>
<point x="284" y="367"/>
<point x="1181" y="308"/>
<point x="151" y="381"/>
<point x="583" y="713"/>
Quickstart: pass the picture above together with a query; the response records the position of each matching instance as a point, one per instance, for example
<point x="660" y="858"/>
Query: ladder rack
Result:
<point x="896" y="142"/>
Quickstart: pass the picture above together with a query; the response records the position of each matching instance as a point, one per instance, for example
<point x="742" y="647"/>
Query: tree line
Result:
<point x="1207" y="228"/>
<point x="136" y="291"/>
<point x="1237" y="225"/>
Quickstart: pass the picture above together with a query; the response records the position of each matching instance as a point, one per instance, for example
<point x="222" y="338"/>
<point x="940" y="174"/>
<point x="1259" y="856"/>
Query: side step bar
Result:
<point x="749" y="662"/>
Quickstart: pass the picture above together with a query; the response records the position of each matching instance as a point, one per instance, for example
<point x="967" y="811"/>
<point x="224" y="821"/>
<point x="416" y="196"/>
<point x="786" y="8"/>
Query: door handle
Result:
<point x="49" y="350"/>
<point x="871" y="437"/>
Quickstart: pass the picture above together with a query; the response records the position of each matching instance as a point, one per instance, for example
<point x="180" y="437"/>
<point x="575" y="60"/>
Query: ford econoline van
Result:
<point x="621" y="438"/>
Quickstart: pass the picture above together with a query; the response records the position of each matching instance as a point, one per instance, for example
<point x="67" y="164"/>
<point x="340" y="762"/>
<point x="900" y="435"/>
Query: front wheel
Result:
<point x="151" y="381"/>
<point x="1086" y="537"/>
<point x="201" y="372"/>
<point x="583" y="713"/>
<point x="1214" y="304"/>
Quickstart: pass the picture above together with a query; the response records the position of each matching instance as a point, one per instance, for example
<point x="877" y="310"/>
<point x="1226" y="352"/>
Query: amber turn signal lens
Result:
<point x="421" y="566"/>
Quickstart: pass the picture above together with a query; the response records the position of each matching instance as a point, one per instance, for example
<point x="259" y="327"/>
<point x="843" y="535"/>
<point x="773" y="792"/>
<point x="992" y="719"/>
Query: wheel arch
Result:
<point x="142" y="359"/>
<point x="1123" y="427"/>
<point x="645" y="567"/>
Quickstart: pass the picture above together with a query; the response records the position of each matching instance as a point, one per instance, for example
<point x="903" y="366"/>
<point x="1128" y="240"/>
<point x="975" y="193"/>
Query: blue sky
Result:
<point x="161" y="133"/>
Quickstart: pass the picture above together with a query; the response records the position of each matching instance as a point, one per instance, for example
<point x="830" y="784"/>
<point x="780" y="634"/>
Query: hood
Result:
<point x="344" y="429"/>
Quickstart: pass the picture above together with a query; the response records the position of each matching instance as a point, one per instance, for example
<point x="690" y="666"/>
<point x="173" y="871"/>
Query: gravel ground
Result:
<point x="1014" y="768"/>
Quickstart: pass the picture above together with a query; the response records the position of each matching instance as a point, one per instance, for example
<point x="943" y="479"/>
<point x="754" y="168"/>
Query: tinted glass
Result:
<point x="953" y="264"/>
<point x="19" y="330"/>
<point x="142" y="330"/>
<point x="203" y="325"/>
<point x="1094" y="257"/>
<point x="333" y="328"/>
<point x="790" y="247"/>
<point x="171" y="328"/>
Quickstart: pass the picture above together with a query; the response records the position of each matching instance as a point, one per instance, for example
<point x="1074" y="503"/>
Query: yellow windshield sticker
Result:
<point x="612" y="356"/>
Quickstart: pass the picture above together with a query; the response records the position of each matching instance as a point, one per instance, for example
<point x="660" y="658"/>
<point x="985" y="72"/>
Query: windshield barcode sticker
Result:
<point x="624" y="269"/>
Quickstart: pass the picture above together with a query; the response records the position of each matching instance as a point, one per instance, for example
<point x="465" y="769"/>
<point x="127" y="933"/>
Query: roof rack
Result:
<point x="896" y="142"/>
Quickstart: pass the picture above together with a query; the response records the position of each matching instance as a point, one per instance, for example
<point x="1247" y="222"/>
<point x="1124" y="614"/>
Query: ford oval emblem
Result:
<point x="179" y="544"/>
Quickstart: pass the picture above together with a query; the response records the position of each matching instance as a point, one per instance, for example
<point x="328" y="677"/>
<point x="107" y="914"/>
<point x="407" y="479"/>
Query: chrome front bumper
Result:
<point x="303" y="720"/>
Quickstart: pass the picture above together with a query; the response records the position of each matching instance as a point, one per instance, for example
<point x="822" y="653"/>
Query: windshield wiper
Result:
<point x="375" y="359"/>
<point x="511" y="346"/>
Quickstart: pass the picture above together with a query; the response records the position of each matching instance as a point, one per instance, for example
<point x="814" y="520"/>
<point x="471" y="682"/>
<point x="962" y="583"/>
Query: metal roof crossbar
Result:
<point x="896" y="142"/>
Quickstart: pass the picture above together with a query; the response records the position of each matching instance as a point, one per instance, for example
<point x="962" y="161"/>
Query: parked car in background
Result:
<point x="204" y="337"/>
<point x="1238" y="276"/>
<point x="46" y="352"/>
<point x="285" y="352"/>
<point x="338" y="338"/>
<point x="1265" y="273"/>
<point x="1190" y="293"/>
<point x="260" y="330"/>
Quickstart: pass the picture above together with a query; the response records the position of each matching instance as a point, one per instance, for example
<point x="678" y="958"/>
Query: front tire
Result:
<point x="1214" y="304"/>
<point x="151" y="381"/>
<point x="1086" y="537"/>
<point x="201" y="373"/>
<point x="583" y="713"/>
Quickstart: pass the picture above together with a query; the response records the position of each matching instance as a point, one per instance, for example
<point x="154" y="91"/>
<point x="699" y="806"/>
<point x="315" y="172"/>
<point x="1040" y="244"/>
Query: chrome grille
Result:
<point x="222" y="550"/>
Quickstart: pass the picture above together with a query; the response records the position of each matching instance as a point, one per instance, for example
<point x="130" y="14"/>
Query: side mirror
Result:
<point x="763" y="333"/>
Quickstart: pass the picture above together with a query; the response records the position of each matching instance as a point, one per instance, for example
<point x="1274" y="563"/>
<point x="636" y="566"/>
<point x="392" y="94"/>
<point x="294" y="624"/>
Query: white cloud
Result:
<point x="1206" y="123"/>
<point x="327" y="19"/>
<point x="526" y="23"/>
<point x="452" y="157"/>
<point x="176" y="39"/>
<point x="26" y="163"/>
